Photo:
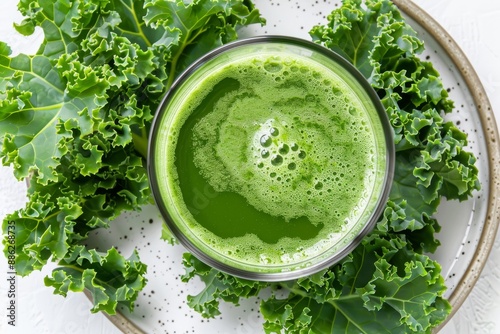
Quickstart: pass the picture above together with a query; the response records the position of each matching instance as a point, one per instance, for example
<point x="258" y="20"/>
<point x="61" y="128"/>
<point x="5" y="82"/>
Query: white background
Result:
<point x="474" y="26"/>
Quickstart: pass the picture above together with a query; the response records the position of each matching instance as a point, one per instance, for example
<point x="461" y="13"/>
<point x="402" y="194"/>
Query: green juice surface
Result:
<point x="273" y="160"/>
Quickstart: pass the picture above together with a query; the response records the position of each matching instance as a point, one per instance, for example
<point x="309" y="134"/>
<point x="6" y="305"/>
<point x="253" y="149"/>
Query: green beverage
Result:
<point x="269" y="159"/>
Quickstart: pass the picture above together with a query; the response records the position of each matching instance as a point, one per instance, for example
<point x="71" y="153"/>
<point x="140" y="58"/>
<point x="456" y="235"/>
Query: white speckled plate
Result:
<point x="468" y="228"/>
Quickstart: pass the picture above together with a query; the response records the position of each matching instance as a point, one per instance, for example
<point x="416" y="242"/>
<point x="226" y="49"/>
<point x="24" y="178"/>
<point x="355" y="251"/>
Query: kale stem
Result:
<point x="291" y="288"/>
<point x="70" y="266"/>
<point x="141" y="142"/>
<point x="188" y="40"/>
<point x="300" y="292"/>
<point x="173" y="68"/>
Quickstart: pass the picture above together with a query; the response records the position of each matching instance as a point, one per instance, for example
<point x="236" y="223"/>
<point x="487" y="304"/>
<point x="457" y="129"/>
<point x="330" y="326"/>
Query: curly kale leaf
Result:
<point x="381" y="287"/>
<point x="376" y="39"/>
<point x="218" y="286"/>
<point x="74" y="120"/>
<point x="109" y="278"/>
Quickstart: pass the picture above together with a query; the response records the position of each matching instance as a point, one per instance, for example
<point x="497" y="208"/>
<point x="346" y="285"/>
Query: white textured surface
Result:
<point x="474" y="25"/>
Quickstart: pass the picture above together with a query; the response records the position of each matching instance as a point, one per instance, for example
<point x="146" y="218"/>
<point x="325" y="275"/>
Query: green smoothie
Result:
<point x="270" y="160"/>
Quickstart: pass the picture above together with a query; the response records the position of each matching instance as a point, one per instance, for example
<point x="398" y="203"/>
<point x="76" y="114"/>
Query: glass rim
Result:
<point x="316" y="266"/>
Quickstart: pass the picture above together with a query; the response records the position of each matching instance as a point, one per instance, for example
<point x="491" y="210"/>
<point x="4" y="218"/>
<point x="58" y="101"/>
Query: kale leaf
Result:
<point x="74" y="120"/>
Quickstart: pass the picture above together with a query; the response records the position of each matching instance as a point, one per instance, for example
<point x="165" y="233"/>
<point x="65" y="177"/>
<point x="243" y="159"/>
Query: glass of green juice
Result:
<point x="270" y="158"/>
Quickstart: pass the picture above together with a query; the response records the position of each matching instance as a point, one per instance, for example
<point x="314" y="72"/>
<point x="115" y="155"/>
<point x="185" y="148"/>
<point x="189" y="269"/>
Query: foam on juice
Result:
<point x="294" y="141"/>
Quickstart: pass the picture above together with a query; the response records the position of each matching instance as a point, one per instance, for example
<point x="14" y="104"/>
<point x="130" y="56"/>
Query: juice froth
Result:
<point x="271" y="160"/>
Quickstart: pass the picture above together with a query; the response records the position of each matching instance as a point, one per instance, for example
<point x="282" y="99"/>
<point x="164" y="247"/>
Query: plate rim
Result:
<point x="491" y="137"/>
